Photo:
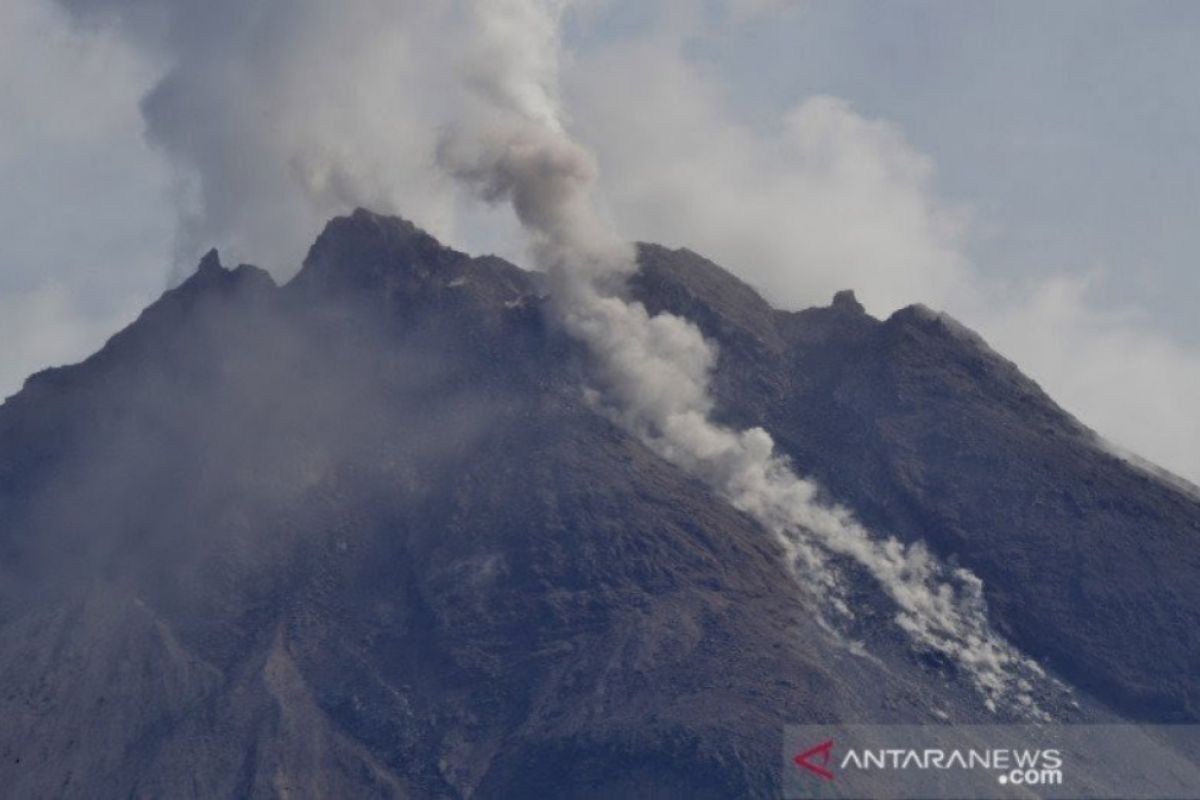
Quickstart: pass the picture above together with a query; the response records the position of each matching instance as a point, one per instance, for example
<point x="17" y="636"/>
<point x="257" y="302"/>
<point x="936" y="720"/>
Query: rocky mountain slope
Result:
<point x="361" y="535"/>
<point x="1089" y="563"/>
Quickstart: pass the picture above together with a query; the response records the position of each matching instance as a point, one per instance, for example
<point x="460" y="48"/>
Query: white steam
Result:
<point x="820" y="195"/>
<point x="279" y="113"/>
<point x="655" y="369"/>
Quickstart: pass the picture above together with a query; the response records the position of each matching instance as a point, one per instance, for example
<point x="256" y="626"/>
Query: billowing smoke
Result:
<point x="278" y="114"/>
<point x="655" y="369"/>
<point x="278" y="140"/>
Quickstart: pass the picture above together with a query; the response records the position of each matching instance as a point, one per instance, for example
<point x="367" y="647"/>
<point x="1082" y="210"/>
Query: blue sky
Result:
<point x="1029" y="166"/>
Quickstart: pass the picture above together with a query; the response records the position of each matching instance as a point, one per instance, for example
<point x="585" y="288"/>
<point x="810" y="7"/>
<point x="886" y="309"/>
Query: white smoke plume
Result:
<point x="282" y="112"/>
<point x="656" y="368"/>
<point x="279" y="114"/>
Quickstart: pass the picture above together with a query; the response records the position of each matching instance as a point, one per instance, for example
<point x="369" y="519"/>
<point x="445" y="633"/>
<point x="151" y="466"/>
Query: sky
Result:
<point x="1028" y="167"/>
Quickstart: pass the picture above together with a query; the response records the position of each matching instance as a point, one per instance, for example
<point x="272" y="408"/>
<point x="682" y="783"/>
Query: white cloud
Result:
<point x="828" y="200"/>
<point x="831" y="198"/>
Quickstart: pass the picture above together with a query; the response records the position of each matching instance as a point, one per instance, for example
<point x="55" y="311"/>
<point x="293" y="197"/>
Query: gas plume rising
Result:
<point x="278" y="143"/>
<point x="655" y="369"/>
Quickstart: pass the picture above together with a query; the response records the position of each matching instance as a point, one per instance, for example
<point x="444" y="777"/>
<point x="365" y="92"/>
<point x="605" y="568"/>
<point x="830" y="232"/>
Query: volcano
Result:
<point x="364" y="535"/>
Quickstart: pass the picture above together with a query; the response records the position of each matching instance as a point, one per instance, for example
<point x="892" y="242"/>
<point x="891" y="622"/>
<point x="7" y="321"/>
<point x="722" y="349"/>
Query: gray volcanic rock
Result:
<point x="361" y="536"/>
<point x="1090" y="564"/>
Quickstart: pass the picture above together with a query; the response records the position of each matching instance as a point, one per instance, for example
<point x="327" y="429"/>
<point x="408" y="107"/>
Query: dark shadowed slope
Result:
<point x="360" y="536"/>
<point x="1090" y="564"/>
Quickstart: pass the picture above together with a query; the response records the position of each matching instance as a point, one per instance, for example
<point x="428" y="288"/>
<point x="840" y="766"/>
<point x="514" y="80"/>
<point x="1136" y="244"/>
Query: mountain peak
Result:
<point x="685" y="283"/>
<point x="211" y="275"/>
<point x="366" y="250"/>
<point x="210" y="263"/>
<point x="846" y="301"/>
<point x="391" y="258"/>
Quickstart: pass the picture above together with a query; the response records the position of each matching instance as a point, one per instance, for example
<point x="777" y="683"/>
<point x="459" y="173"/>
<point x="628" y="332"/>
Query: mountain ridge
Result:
<point x="371" y="537"/>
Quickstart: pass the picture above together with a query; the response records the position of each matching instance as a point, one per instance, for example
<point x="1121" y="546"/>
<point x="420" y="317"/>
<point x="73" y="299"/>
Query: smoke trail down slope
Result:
<point x="655" y="369"/>
<point x="280" y="132"/>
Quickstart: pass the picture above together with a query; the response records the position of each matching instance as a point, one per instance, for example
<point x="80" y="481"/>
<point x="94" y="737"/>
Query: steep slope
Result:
<point x="361" y="535"/>
<point x="1089" y="564"/>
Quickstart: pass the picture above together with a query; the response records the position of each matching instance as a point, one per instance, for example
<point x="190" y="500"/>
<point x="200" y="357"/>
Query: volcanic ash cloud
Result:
<point x="513" y="146"/>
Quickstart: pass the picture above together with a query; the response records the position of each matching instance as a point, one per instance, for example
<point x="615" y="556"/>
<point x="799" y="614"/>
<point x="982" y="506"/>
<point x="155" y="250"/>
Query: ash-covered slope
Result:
<point x="361" y="536"/>
<point x="1090" y="564"/>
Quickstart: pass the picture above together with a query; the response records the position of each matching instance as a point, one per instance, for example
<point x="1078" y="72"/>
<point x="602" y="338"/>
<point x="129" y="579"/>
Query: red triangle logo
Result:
<point x="822" y="752"/>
